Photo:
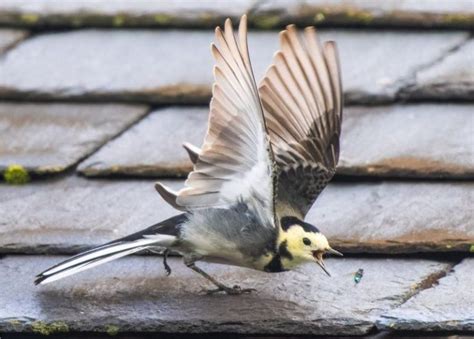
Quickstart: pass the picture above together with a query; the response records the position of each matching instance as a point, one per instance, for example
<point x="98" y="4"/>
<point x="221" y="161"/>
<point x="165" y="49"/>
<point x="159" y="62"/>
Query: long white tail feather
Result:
<point x="87" y="265"/>
<point x="101" y="256"/>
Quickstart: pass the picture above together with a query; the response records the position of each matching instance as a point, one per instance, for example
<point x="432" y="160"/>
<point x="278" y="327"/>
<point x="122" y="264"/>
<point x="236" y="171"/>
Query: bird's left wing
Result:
<point x="235" y="162"/>
<point x="302" y="100"/>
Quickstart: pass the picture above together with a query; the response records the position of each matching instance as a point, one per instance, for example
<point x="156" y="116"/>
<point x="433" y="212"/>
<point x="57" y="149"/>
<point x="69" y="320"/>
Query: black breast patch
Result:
<point x="275" y="264"/>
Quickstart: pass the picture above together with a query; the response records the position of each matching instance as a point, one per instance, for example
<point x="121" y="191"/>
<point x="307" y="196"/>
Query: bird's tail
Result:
<point x="150" y="237"/>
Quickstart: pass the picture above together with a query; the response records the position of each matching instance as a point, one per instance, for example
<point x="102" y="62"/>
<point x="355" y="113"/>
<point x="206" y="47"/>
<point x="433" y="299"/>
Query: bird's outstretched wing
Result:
<point x="235" y="162"/>
<point x="301" y="95"/>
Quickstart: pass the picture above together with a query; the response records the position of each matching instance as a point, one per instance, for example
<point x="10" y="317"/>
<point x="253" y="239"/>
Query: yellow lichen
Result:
<point x="16" y="175"/>
<point x="51" y="328"/>
<point x="459" y="19"/>
<point x="112" y="330"/>
<point x="29" y="18"/>
<point x="471" y="249"/>
<point x="162" y="19"/>
<point x="118" y="20"/>
<point x="267" y="22"/>
<point x="359" y="16"/>
<point x="319" y="17"/>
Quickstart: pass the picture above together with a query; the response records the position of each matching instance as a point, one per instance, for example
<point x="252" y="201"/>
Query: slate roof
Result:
<point x="96" y="98"/>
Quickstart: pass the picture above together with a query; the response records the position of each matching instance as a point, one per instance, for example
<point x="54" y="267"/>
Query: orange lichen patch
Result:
<point x="405" y="166"/>
<point x="434" y="240"/>
<point x="421" y="165"/>
<point x="435" y="236"/>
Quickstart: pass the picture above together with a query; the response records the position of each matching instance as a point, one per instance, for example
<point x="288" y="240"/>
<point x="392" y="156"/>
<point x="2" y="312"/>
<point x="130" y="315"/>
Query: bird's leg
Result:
<point x="165" y="257"/>
<point x="220" y="287"/>
<point x="165" y="263"/>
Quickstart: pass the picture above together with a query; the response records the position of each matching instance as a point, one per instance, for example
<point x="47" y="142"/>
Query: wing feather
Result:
<point x="234" y="164"/>
<point x="301" y="95"/>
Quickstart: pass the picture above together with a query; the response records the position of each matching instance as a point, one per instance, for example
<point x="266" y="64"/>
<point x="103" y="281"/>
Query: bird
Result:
<point x="268" y="153"/>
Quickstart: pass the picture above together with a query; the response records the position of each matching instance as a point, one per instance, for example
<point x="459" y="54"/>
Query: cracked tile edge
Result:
<point x="408" y="85"/>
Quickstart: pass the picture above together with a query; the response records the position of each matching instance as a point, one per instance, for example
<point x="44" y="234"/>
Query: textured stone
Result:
<point x="394" y="13"/>
<point x="134" y="295"/>
<point x="405" y="141"/>
<point x="263" y="14"/>
<point x="10" y="37"/>
<point x="444" y="307"/>
<point x="152" y="147"/>
<point x="384" y="141"/>
<point x="120" y="13"/>
<point x="49" y="138"/>
<point x="71" y="214"/>
<point x="175" y="66"/>
<point x="450" y="78"/>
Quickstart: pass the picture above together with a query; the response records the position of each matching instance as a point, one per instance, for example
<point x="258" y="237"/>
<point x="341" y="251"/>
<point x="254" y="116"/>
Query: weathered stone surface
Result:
<point x="444" y="307"/>
<point x="176" y="66"/>
<point x="263" y="14"/>
<point x="121" y="13"/>
<point x="135" y="295"/>
<point x="385" y="141"/>
<point x="450" y="78"/>
<point x="407" y="13"/>
<point x="428" y="141"/>
<point x="66" y="215"/>
<point x="49" y="138"/>
<point x="10" y="37"/>
<point x="152" y="147"/>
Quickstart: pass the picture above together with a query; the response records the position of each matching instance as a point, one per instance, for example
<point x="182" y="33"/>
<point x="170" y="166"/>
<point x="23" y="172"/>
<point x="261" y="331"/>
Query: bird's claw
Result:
<point x="236" y="290"/>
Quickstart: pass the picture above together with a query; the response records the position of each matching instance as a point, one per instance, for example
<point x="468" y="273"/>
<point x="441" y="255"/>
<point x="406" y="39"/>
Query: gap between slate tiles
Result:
<point x="64" y="158"/>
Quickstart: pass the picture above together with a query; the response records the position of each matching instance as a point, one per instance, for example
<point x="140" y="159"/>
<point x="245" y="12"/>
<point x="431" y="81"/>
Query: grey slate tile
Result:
<point x="134" y="295"/>
<point x="175" y="66"/>
<point x="446" y="306"/>
<point x="450" y="78"/>
<point x="10" y="37"/>
<point x="153" y="146"/>
<point x="121" y="13"/>
<point x="71" y="214"/>
<point x="270" y="14"/>
<point x="49" y="138"/>
<point x="407" y="13"/>
<point x="425" y="141"/>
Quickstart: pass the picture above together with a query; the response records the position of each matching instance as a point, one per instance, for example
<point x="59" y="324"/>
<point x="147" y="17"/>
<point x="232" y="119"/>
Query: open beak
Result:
<point x="318" y="256"/>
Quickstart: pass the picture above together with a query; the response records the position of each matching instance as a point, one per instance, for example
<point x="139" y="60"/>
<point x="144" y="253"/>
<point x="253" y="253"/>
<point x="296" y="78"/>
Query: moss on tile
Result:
<point x="29" y="18"/>
<point x="267" y="21"/>
<point x="49" y="328"/>
<point x="112" y="330"/>
<point x="16" y="175"/>
<point x="162" y="19"/>
<point x="118" y="20"/>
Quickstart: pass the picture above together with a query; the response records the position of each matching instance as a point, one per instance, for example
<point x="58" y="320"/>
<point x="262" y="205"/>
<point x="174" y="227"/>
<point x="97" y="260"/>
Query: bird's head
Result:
<point x="303" y="243"/>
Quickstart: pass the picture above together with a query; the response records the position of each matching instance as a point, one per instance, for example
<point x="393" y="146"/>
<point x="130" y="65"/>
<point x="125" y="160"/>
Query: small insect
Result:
<point x="358" y="275"/>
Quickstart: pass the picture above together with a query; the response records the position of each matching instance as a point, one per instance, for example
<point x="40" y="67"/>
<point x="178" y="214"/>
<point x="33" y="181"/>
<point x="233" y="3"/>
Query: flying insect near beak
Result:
<point x="318" y="256"/>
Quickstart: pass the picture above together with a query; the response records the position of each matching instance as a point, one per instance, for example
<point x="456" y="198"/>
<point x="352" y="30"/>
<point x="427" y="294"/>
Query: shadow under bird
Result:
<point x="268" y="153"/>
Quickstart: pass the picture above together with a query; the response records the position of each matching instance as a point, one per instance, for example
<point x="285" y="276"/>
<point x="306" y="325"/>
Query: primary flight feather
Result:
<point x="268" y="153"/>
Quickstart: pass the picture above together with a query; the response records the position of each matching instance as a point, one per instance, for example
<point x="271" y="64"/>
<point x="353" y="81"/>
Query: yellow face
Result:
<point x="304" y="246"/>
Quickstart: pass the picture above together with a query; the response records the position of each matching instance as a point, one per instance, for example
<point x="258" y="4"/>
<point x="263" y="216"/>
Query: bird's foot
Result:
<point x="165" y="262"/>
<point x="236" y="290"/>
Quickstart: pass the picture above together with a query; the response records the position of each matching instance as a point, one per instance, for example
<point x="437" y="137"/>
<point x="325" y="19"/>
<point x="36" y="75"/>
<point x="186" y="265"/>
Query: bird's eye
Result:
<point x="306" y="241"/>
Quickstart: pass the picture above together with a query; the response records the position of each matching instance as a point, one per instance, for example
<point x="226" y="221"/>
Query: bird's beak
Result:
<point x="318" y="256"/>
<point x="333" y="251"/>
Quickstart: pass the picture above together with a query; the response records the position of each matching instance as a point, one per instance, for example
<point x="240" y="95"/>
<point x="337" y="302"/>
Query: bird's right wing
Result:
<point x="235" y="162"/>
<point x="302" y="99"/>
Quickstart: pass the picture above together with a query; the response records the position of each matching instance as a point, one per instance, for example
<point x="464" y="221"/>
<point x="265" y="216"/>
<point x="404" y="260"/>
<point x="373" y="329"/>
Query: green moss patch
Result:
<point x="16" y="175"/>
